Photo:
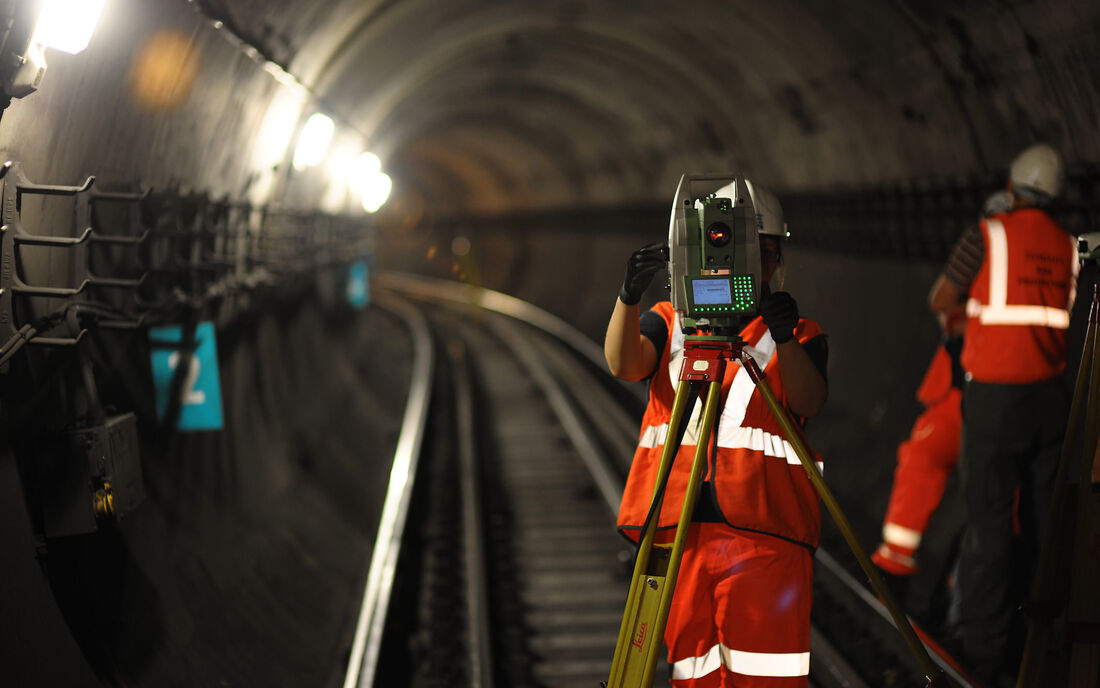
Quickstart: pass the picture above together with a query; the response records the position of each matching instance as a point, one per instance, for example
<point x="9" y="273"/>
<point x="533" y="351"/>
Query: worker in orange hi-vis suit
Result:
<point x="927" y="459"/>
<point x="740" y="613"/>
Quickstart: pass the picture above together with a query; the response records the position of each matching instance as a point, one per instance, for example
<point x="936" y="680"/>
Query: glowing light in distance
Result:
<point x="164" y="70"/>
<point x="277" y="128"/>
<point x="338" y="166"/>
<point x="341" y="164"/>
<point x="67" y="25"/>
<point x="313" y="141"/>
<point x="365" y="166"/>
<point x="377" y="191"/>
<point x="460" y="246"/>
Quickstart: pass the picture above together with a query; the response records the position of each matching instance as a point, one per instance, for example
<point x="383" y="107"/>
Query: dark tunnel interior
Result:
<point x="531" y="147"/>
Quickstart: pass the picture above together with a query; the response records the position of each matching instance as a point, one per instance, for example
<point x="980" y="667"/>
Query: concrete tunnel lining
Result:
<point x="597" y="115"/>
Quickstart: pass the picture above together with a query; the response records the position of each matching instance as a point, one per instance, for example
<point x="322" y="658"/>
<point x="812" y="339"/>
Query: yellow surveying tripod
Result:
<point x="656" y="566"/>
<point x="1067" y="580"/>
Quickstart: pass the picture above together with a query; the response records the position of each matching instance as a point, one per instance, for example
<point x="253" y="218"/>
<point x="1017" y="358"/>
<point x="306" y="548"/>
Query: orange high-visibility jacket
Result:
<point x="759" y="481"/>
<point x="1020" y="301"/>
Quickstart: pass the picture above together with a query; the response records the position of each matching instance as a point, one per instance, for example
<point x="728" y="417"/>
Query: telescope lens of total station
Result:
<point x="718" y="234"/>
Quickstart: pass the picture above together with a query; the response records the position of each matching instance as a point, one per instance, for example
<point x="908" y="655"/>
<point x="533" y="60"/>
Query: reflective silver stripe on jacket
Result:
<point x="998" y="311"/>
<point x="754" y="439"/>
<point x="731" y="433"/>
<point x="773" y="664"/>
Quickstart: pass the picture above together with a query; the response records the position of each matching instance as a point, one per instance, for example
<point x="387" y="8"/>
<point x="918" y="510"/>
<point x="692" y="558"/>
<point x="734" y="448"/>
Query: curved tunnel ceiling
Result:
<point x="487" y="107"/>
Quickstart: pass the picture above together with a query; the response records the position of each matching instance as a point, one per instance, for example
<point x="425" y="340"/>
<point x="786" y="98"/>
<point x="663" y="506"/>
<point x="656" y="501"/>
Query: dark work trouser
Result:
<point x="1012" y="436"/>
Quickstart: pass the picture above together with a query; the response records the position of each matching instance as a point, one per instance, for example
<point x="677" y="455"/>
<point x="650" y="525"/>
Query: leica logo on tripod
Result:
<point x="639" y="637"/>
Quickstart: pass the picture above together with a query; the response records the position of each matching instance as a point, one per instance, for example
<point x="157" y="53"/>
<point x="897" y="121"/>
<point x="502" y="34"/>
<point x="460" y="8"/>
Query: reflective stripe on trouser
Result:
<point x="925" y="461"/>
<point x="740" y="615"/>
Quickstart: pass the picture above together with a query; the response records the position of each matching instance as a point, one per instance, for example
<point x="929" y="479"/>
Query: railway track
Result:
<point x="510" y="571"/>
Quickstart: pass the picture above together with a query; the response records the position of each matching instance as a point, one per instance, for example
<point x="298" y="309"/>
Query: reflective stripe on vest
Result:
<point x="731" y="434"/>
<point x="999" y="311"/>
<point x="772" y="664"/>
<point x="730" y="438"/>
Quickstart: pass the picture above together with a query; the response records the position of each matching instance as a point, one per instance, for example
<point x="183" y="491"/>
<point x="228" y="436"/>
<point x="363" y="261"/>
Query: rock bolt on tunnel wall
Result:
<point x="203" y="382"/>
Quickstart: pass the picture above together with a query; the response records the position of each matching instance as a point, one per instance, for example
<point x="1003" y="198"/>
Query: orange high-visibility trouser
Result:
<point x="925" y="461"/>
<point x="740" y="614"/>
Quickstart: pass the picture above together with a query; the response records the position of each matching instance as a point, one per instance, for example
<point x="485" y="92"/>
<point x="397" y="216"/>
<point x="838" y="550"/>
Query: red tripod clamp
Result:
<point x="705" y="358"/>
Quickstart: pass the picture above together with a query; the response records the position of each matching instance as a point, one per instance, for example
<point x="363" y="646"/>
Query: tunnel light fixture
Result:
<point x="313" y="141"/>
<point x="366" y="166"/>
<point x="277" y="128"/>
<point x="377" y="191"/>
<point x="67" y="25"/>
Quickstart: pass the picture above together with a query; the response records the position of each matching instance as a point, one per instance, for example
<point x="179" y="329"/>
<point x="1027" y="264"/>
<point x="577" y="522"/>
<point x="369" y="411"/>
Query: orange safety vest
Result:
<point x="759" y="482"/>
<point x="1019" y="305"/>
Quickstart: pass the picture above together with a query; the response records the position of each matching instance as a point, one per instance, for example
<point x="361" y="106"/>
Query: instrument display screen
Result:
<point x="711" y="292"/>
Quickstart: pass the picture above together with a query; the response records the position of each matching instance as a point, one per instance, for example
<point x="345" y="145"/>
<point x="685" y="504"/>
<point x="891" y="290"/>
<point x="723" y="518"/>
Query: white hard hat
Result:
<point x="1036" y="173"/>
<point x="769" y="214"/>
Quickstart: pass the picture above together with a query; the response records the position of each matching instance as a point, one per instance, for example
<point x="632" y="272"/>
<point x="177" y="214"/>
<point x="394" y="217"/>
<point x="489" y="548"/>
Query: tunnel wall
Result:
<point x="193" y="115"/>
<point x="164" y="98"/>
<point x="245" y="563"/>
<point x="236" y="522"/>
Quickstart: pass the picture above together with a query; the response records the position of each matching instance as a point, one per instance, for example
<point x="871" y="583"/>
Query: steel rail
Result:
<point x="836" y="671"/>
<point x="495" y="301"/>
<point x="363" y="660"/>
<point x="477" y="594"/>
<point x="833" y="566"/>
<point x="599" y="466"/>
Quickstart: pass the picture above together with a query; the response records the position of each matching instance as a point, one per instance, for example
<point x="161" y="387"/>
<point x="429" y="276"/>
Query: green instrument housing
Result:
<point x="718" y="283"/>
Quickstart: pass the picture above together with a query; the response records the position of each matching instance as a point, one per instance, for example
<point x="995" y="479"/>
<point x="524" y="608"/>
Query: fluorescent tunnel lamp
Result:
<point x="365" y="166"/>
<point x="313" y="141"/>
<point x="67" y="25"/>
<point x="377" y="191"/>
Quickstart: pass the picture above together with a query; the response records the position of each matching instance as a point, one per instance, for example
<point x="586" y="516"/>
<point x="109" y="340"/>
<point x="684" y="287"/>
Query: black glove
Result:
<point x="780" y="313"/>
<point x="640" y="269"/>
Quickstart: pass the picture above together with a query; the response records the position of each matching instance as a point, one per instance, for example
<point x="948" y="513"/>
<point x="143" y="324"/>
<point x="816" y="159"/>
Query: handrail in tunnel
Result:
<point x="363" y="661"/>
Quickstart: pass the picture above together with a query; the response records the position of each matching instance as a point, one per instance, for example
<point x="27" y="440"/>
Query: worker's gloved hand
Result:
<point x="640" y="269"/>
<point x="780" y="313"/>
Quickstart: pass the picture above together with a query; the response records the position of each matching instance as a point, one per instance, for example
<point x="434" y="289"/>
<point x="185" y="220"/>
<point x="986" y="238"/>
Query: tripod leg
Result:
<point x="1083" y="613"/>
<point x="795" y="438"/>
<point x="710" y="414"/>
<point x="627" y="629"/>
<point x="1048" y="588"/>
<point x="654" y="578"/>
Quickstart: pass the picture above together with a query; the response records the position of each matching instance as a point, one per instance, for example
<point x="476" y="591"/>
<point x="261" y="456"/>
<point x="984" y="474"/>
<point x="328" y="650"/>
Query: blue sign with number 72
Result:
<point x="200" y="400"/>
